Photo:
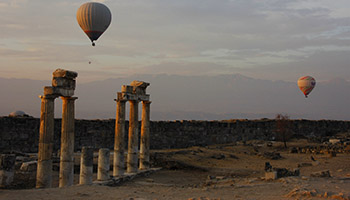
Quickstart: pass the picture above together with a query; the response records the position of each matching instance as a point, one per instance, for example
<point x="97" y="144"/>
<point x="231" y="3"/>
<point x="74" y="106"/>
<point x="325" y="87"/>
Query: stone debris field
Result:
<point x="250" y="170"/>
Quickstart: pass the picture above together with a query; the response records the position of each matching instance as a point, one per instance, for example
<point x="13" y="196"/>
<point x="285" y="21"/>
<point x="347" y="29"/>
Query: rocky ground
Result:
<point x="231" y="171"/>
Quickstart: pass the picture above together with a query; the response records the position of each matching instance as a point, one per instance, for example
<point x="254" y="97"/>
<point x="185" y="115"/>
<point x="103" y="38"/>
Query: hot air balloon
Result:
<point x="94" y="18"/>
<point x="306" y="84"/>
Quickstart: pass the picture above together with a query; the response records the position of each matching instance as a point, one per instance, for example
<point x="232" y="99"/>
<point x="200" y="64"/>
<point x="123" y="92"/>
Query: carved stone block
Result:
<point x="127" y="88"/>
<point x="139" y="87"/>
<point x="63" y="82"/>
<point x="48" y="90"/>
<point x="65" y="73"/>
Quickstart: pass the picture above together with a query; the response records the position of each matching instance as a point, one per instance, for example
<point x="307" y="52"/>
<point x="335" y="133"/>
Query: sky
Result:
<point x="264" y="39"/>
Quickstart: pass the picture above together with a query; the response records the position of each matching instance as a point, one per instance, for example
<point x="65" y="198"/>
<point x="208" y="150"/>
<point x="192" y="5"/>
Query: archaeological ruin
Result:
<point x="63" y="85"/>
<point x="134" y="93"/>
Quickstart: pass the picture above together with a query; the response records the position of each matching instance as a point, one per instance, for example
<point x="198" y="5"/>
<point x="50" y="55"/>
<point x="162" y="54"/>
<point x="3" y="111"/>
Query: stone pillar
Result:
<point x="119" y="142"/>
<point x="103" y="164"/>
<point x="86" y="165"/>
<point x="133" y="138"/>
<point x="145" y="135"/>
<point x="7" y="166"/>
<point x="44" y="170"/>
<point x="67" y="142"/>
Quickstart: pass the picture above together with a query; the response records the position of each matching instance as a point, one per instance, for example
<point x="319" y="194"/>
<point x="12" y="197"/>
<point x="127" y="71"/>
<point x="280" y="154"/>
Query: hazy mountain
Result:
<point x="192" y="97"/>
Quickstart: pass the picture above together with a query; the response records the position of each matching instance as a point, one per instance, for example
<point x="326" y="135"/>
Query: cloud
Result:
<point x="177" y="37"/>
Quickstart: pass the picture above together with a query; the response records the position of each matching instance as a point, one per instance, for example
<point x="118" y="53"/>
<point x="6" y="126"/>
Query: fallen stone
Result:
<point x="304" y="164"/>
<point x="323" y="174"/>
<point x="220" y="177"/>
<point x="218" y="156"/>
<point x="283" y="172"/>
<point x="334" y="141"/>
<point x="339" y="196"/>
<point x="149" y="180"/>
<point x="272" y="155"/>
<point x="302" y="192"/>
<point x="115" y="181"/>
<point x="271" y="175"/>
<point x="29" y="166"/>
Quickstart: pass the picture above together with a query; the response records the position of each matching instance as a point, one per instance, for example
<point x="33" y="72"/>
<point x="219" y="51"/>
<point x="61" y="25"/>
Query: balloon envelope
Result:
<point x="94" y="18"/>
<point x="306" y="84"/>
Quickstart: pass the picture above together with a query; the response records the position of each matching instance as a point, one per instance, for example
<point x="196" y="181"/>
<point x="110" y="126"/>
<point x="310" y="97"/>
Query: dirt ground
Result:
<point x="231" y="171"/>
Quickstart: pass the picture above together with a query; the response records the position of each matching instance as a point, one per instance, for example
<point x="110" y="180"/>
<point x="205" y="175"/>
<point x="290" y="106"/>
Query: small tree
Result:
<point x="283" y="128"/>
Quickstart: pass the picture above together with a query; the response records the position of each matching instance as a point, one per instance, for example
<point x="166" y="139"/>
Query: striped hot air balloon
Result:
<point x="94" y="18"/>
<point x="306" y="84"/>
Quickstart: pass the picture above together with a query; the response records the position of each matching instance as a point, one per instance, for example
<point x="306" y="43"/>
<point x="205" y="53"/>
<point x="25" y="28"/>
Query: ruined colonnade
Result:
<point x="133" y="93"/>
<point x="63" y="84"/>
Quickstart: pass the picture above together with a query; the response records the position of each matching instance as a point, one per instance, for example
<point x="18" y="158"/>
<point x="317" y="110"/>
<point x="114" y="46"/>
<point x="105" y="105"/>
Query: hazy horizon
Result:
<point x="179" y="97"/>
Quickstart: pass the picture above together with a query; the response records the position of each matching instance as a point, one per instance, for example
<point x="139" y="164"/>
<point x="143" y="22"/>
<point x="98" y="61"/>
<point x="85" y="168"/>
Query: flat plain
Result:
<point x="227" y="171"/>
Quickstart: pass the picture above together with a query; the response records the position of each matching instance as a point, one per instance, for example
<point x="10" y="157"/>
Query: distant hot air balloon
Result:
<point x="306" y="84"/>
<point x="94" y="18"/>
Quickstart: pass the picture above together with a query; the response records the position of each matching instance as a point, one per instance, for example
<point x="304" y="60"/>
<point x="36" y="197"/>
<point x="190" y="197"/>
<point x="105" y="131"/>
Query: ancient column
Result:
<point x="7" y="169"/>
<point x="103" y="164"/>
<point x="119" y="142"/>
<point x="145" y="134"/>
<point x="67" y="142"/>
<point x="86" y="165"/>
<point x="44" y="170"/>
<point x="133" y="138"/>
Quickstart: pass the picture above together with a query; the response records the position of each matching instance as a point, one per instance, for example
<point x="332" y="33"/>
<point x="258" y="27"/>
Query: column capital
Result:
<point x="120" y="100"/>
<point x="48" y="96"/>
<point x="69" y="98"/>
<point x="147" y="102"/>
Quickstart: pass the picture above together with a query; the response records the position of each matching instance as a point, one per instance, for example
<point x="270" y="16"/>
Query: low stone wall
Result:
<point x="21" y="134"/>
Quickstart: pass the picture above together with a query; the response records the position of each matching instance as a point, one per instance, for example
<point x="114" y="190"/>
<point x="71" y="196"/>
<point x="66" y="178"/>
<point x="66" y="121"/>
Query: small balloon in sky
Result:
<point x="306" y="84"/>
<point x="94" y="18"/>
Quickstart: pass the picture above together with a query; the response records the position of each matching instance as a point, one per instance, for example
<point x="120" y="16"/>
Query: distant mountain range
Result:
<point x="176" y="97"/>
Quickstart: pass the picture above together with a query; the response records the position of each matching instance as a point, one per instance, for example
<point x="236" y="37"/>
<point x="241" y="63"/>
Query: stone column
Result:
<point x="145" y="135"/>
<point x="86" y="165"/>
<point x="119" y="142"/>
<point x="133" y="138"/>
<point x="67" y="142"/>
<point x="44" y="170"/>
<point x="7" y="169"/>
<point x="103" y="164"/>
